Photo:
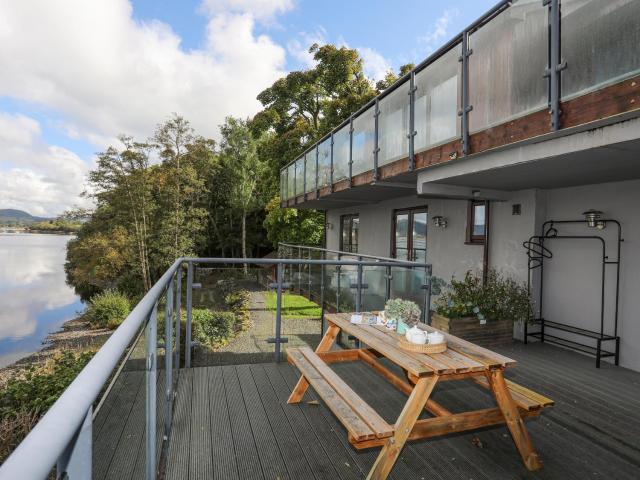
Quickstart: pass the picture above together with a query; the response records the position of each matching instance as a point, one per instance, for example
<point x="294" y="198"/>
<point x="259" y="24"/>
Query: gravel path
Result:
<point x="251" y="346"/>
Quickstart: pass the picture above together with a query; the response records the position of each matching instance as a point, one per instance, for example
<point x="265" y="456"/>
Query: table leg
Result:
<point x="324" y="346"/>
<point x="514" y="420"/>
<point x="407" y="419"/>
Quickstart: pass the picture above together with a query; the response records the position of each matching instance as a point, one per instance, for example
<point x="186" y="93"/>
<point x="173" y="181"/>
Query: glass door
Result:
<point x="410" y="235"/>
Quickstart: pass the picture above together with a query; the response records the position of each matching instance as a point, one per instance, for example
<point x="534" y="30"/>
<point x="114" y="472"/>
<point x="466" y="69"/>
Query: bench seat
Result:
<point x="361" y="421"/>
<point x="525" y="399"/>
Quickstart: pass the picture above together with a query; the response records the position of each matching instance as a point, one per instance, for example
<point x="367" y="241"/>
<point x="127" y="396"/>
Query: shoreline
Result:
<point x="73" y="335"/>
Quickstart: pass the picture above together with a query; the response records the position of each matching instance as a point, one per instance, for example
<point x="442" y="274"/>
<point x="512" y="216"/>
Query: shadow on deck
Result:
<point x="233" y="422"/>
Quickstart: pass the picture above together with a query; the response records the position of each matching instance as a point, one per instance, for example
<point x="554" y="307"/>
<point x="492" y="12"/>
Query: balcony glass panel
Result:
<point x="299" y="176"/>
<point x="600" y="42"/>
<point x="507" y="65"/>
<point x="393" y="125"/>
<point x="310" y="160"/>
<point x="283" y="184"/>
<point x="438" y="101"/>
<point x="291" y="186"/>
<point x="363" y="141"/>
<point x="341" y="154"/>
<point x="324" y="163"/>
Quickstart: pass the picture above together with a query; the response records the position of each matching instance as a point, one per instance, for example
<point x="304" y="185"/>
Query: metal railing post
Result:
<point x="322" y="274"/>
<point x="151" y="332"/>
<point x="412" y="120"/>
<point x="556" y="65"/>
<point x="376" y="139"/>
<point x="309" y="271"/>
<point x="76" y="461"/>
<point x="178" y="314"/>
<point x="387" y="287"/>
<point x="304" y="177"/>
<point x="300" y="270"/>
<point x="331" y="170"/>
<point x="351" y="151"/>
<point x="427" y="300"/>
<point x="168" y="359"/>
<point x="466" y="108"/>
<point x="338" y="269"/>
<point x="359" y="294"/>
<point x="187" y="334"/>
<point x="278" y="332"/>
<point x="317" y="171"/>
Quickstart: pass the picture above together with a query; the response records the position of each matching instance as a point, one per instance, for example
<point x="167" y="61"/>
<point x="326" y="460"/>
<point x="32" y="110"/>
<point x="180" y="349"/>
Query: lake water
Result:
<point x="34" y="297"/>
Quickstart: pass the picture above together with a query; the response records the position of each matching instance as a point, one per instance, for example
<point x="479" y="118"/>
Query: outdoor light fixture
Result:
<point x="329" y="226"/>
<point x="439" y="221"/>
<point x="593" y="219"/>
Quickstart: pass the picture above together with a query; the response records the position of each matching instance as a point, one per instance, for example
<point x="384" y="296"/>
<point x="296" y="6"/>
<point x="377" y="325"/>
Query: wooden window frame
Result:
<point x="350" y="217"/>
<point x="472" y="239"/>
<point x="410" y="211"/>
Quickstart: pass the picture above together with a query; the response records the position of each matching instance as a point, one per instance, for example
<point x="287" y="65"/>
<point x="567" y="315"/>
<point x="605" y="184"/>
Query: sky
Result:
<point x="75" y="74"/>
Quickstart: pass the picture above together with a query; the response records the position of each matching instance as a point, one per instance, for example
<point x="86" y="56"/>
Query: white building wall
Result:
<point x="572" y="277"/>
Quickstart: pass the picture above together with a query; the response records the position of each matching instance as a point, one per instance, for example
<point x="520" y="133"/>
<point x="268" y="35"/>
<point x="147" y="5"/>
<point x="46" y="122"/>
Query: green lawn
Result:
<point x="294" y="306"/>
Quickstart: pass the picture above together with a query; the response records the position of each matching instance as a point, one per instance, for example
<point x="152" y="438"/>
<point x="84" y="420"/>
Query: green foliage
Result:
<point x="292" y="225"/>
<point x="108" y="309"/>
<point x="57" y="225"/>
<point x="36" y="389"/>
<point x="294" y="306"/>
<point x="212" y="328"/>
<point x="405" y="310"/>
<point x="501" y="298"/>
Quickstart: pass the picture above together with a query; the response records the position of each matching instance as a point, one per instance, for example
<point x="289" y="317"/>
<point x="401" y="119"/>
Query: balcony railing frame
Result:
<point x="63" y="437"/>
<point x="556" y="64"/>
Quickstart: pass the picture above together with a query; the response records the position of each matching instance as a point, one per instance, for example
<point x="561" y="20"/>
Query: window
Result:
<point x="477" y="222"/>
<point x="349" y="225"/>
<point x="410" y="235"/>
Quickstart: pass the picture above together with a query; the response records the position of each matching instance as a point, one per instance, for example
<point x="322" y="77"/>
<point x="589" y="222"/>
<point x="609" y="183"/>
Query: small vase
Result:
<point x="402" y="328"/>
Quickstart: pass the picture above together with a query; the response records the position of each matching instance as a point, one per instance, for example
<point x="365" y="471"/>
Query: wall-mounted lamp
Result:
<point x="593" y="219"/>
<point x="439" y="221"/>
<point x="328" y="226"/>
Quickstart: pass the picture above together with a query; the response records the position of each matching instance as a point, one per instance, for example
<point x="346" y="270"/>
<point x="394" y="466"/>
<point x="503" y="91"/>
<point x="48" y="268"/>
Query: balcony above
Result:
<point x="489" y="88"/>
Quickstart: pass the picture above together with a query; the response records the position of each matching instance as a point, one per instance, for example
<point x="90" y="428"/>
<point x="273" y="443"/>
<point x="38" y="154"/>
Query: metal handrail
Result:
<point x="63" y="435"/>
<point x="48" y="440"/>
<point x="352" y="254"/>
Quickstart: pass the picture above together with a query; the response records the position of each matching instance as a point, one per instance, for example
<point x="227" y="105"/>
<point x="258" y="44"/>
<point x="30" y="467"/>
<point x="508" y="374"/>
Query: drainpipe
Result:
<point x="485" y="253"/>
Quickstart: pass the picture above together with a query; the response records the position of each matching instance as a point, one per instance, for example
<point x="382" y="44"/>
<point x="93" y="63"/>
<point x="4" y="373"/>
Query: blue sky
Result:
<point x="93" y="70"/>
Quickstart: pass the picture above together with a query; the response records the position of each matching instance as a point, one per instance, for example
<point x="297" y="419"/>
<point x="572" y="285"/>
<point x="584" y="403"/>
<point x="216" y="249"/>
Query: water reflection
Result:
<point x="34" y="298"/>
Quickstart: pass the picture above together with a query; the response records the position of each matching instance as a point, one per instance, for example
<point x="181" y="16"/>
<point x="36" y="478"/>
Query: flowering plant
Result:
<point x="405" y="310"/>
<point x="500" y="298"/>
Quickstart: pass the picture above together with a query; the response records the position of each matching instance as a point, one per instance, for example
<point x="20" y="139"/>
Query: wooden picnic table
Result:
<point x="461" y="361"/>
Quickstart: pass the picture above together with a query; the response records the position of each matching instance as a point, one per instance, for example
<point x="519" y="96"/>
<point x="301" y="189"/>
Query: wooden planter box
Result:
<point x="488" y="335"/>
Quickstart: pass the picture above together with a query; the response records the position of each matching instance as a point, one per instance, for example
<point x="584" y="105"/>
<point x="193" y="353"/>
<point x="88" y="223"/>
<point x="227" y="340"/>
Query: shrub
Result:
<point x="36" y="389"/>
<point x="404" y="310"/>
<point x="501" y="298"/>
<point x="108" y="309"/>
<point x="212" y="328"/>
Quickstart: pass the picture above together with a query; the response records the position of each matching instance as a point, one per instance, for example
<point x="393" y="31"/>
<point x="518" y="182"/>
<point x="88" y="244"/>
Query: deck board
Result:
<point x="233" y="422"/>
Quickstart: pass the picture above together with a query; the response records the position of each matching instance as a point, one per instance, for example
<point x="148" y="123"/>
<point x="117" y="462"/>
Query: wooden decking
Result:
<point x="233" y="422"/>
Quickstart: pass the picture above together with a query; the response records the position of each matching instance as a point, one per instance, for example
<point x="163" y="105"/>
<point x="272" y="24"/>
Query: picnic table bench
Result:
<point x="462" y="360"/>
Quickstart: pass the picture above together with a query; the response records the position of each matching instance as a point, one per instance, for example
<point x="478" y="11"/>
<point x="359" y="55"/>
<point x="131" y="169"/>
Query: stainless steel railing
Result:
<point x="62" y="439"/>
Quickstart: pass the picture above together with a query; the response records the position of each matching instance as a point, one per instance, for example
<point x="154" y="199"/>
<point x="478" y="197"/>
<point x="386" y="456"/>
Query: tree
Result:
<point x="238" y="150"/>
<point x="122" y="181"/>
<point x="292" y="225"/>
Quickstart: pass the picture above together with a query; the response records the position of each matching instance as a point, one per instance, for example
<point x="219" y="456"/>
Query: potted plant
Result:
<point x="482" y="313"/>
<point x="405" y="313"/>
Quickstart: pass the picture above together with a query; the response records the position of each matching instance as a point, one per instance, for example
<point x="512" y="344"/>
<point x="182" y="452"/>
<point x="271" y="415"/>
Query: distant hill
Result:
<point x="9" y="216"/>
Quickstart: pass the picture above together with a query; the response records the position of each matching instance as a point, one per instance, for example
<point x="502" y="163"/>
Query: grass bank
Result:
<point x="294" y="306"/>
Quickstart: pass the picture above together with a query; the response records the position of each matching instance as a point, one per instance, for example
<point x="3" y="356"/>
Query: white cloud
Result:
<point x="375" y="65"/>
<point x="260" y="9"/>
<point x="105" y="73"/>
<point x="298" y="47"/>
<point x="36" y="177"/>
<point x="439" y="29"/>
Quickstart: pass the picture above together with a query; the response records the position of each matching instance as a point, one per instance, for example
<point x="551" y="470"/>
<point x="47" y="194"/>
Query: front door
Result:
<point x="410" y="235"/>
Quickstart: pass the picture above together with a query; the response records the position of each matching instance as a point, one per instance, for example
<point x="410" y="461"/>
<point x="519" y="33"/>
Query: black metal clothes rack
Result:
<point x="537" y="252"/>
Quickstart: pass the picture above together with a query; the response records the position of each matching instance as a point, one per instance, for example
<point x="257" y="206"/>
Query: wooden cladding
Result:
<point x="622" y="97"/>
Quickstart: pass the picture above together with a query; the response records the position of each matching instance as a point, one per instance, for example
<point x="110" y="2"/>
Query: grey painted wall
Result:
<point x="572" y="277"/>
